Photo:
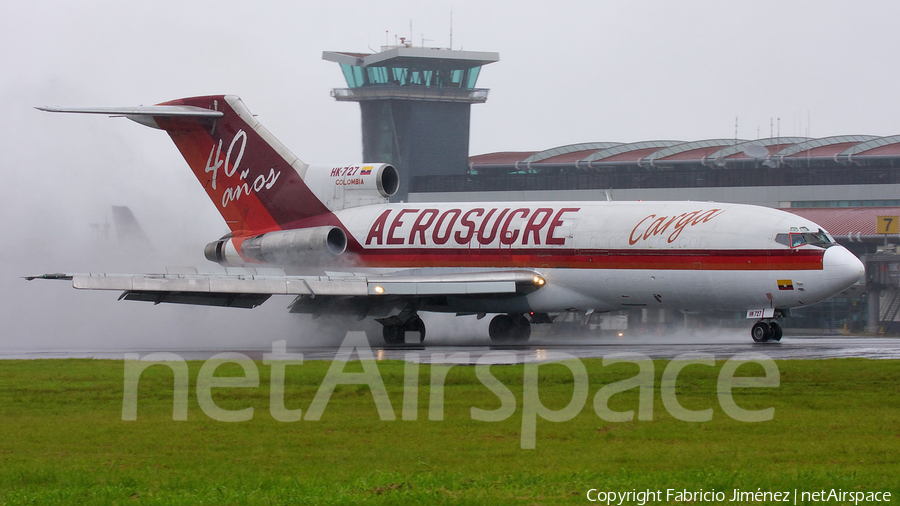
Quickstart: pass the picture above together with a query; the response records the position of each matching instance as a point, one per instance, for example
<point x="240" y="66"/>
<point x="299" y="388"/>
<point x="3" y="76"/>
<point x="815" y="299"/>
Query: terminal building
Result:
<point x="843" y="171"/>
<point x="415" y="104"/>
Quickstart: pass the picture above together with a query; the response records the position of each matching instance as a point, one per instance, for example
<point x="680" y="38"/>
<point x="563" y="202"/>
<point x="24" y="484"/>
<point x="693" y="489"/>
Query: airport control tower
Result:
<point x="415" y="106"/>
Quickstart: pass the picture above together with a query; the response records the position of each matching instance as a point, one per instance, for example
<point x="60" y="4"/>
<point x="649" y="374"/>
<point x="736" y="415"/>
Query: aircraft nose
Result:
<point x="842" y="268"/>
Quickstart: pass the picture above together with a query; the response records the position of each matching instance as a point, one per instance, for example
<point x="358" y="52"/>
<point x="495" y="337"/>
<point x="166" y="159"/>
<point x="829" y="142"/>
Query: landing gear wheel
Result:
<point x="777" y="332"/>
<point x="500" y="327"/>
<point x="396" y="334"/>
<point x="761" y="332"/>
<point x="392" y="334"/>
<point x="522" y="328"/>
<point x="414" y="324"/>
<point x="507" y="328"/>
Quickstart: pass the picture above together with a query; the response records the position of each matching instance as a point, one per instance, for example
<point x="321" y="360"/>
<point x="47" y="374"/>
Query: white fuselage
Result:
<point x="610" y="255"/>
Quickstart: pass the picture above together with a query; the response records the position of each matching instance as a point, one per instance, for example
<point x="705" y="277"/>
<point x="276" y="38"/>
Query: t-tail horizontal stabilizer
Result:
<point x="143" y="114"/>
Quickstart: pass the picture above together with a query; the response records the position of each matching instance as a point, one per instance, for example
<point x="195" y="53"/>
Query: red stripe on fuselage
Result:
<point x="718" y="260"/>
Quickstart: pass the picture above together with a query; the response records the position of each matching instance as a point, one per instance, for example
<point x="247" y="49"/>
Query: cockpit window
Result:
<point x="820" y="238"/>
<point x="796" y="239"/>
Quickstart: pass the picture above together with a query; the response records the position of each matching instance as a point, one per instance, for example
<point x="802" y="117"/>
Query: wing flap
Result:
<point x="337" y="287"/>
<point x="241" y="300"/>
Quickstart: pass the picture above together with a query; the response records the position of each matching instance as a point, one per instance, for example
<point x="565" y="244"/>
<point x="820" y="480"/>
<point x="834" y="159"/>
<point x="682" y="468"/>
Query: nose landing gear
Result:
<point x="766" y="330"/>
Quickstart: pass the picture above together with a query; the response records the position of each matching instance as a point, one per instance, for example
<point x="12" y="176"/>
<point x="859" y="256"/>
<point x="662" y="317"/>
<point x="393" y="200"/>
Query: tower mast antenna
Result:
<point x="451" y="27"/>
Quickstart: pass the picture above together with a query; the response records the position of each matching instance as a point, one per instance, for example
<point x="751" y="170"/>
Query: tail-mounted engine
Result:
<point x="305" y="246"/>
<point x="345" y="186"/>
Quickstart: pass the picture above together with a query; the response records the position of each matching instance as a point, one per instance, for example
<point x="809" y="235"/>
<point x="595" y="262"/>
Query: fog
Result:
<point x="568" y="73"/>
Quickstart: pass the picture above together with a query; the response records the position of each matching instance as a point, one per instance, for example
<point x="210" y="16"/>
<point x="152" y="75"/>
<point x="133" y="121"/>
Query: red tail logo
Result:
<point x="255" y="182"/>
<point x="243" y="186"/>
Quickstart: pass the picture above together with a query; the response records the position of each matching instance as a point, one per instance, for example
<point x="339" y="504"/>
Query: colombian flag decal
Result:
<point x="785" y="284"/>
<point x="366" y="171"/>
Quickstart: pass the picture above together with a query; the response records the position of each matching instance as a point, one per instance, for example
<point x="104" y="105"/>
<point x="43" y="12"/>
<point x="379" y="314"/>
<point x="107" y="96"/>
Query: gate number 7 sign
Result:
<point x="888" y="224"/>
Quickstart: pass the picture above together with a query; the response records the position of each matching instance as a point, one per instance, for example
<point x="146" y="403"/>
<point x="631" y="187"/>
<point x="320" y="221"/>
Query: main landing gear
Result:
<point x="766" y="330"/>
<point x="506" y="328"/>
<point x="394" y="332"/>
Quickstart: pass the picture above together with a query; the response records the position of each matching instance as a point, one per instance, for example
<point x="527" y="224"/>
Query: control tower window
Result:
<point x="377" y="75"/>
<point x="472" y="77"/>
<point x="358" y="77"/>
<point x="354" y="75"/>
<point x="400" y="76"/>
<point x="456" y="78"/>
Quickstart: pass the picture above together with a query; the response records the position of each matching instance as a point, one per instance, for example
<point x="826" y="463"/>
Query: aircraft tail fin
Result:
<point x="128" y="231"/>
<point x="255" y="182"/>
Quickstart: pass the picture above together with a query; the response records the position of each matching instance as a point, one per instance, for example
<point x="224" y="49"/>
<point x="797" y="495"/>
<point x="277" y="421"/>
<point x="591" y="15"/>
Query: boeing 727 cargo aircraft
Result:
<point x="328" y="236"/>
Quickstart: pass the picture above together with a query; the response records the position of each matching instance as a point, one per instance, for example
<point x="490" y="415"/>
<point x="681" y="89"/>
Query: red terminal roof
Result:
<point x="889" y="150"/>
<point x="693" y="154"/>
<point x="846" y="147"/>
<point x="773" y="148"/>
<point x="569" y="157"/>
<point x="845" y="221"/>
<point x="631" y="156"/>
<point x="502" y="157"/>
<point x="829" y="150"/>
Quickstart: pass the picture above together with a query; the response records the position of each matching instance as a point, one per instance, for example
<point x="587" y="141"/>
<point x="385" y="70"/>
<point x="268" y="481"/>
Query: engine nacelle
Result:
<point x="304" y="246"/>
<point x="345" y="186"/>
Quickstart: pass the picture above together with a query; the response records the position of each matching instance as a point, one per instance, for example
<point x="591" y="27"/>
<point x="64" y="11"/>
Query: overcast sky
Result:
<point x="569" y="72"/>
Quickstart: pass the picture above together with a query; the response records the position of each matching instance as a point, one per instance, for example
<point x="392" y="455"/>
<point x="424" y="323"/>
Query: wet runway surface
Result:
<point x="445" y="351"/>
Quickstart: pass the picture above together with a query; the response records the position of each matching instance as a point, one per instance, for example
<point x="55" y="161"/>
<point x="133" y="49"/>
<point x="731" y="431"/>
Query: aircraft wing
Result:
<point x="313" y="293"/>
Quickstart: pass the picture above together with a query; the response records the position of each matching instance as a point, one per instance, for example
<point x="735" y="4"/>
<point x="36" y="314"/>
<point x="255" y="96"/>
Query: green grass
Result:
<point x="63" y="440"/>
